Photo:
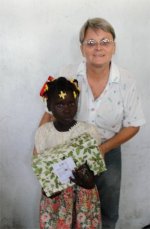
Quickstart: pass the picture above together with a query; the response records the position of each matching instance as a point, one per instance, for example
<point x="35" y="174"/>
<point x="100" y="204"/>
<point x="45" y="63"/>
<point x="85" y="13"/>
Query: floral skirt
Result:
<point x="74" y="208"/>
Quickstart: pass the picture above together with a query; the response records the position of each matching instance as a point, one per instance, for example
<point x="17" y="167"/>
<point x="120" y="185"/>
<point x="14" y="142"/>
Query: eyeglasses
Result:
<point x="92" y="43"/>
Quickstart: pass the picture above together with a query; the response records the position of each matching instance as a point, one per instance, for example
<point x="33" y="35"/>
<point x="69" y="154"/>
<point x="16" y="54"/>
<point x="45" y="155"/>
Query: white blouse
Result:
<point x="118" y="106"/>
<point x="47" y="136"/>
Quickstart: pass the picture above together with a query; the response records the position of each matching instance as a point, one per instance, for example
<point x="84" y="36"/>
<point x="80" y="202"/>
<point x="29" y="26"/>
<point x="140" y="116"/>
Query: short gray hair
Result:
<point x="96" y="23"/>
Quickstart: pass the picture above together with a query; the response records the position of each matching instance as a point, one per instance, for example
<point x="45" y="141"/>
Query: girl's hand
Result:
<point x="83" y="177"/>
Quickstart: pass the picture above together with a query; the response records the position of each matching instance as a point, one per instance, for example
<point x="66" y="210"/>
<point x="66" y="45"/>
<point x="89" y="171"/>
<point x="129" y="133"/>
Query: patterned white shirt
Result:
<point x="118" y="106"/>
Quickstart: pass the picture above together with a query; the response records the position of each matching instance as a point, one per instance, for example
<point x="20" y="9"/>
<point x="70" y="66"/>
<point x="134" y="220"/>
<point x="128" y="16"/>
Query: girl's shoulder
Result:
<point x="45" y="129"/>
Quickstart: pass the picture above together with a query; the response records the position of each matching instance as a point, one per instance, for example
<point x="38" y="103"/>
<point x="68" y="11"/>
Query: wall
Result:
<point x="36" y="39"/>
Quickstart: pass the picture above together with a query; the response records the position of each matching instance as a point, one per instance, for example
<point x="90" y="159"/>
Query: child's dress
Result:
<point x="75" y="207"/>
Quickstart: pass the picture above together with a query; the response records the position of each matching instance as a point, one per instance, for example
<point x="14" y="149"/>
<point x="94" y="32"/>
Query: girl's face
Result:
<point x="63" y="107"/>
<point x="101" y="53"/>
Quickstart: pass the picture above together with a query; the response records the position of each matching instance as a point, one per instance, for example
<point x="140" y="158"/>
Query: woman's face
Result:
<point x="98" y="54"/>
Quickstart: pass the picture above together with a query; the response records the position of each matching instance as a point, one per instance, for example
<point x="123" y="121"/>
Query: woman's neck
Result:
<point x="99" y="73"/>
<point x="97" y="78"/>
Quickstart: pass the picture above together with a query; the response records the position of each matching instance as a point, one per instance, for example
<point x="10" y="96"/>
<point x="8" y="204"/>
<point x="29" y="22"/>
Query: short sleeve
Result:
<point x="40" y="140"/>
<point x="133" y="113"/>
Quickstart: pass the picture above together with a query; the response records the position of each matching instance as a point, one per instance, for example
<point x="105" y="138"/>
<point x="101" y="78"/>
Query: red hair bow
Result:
<point x="45" y="86"/>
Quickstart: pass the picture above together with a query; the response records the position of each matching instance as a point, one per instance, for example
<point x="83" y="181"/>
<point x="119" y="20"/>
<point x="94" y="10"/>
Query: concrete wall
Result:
<point x="36" y="39"/>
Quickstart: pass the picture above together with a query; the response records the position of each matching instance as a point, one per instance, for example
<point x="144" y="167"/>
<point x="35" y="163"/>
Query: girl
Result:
<point x="77" y="206"/>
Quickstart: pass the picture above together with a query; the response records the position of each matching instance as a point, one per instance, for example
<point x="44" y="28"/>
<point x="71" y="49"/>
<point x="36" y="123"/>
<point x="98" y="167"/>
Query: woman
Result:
<point x="109" y="100"/>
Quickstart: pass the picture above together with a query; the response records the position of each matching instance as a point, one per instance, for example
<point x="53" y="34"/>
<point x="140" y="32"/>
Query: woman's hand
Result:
<point x="125" y="134"/>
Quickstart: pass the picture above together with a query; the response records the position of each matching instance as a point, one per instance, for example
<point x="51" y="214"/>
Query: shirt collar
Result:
<point x="114" y="75"/>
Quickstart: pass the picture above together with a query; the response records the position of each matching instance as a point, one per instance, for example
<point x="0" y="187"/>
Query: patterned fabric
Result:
<point x="82" y="149"/>
<point x="57" y="213"/>
<point x="118" y="105"/>
<point x="47" y="136"/>
<point x="62" y="210"/>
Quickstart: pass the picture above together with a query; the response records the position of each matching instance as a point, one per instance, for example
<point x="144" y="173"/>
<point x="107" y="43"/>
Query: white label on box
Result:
<point x="63" y="169"/>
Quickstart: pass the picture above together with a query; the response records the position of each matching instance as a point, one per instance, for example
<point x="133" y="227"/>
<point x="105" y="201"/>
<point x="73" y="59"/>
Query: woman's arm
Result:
<point x="34" y="151"/>
<point x="124" y="135"/>
<point x="46" y="118"/>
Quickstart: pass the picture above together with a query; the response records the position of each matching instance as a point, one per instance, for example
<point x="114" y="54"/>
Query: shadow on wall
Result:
<point x="9" y="221"/>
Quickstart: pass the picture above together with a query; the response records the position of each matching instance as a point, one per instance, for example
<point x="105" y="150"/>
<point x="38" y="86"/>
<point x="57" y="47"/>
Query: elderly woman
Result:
<point x="109" y="100"/>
